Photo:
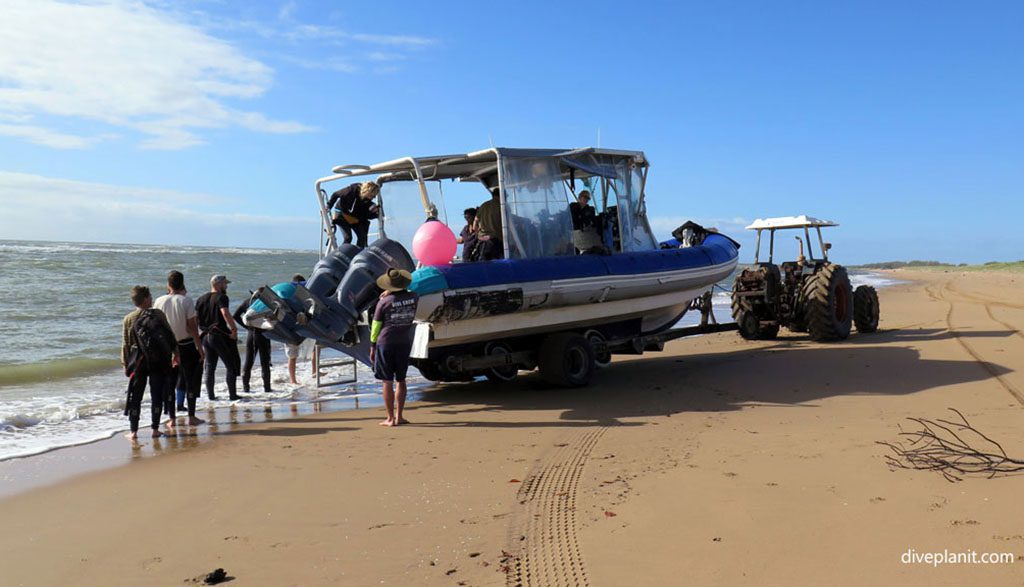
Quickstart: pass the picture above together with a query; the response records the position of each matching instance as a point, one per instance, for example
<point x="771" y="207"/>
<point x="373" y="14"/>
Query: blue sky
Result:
<point x="206" y="122"/>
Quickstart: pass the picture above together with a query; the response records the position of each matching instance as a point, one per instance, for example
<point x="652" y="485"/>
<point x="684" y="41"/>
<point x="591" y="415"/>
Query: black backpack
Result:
<point x="155" y="341"/>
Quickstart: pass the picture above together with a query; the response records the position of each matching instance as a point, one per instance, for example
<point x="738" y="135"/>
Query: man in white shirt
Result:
<point x="181" y="315"/>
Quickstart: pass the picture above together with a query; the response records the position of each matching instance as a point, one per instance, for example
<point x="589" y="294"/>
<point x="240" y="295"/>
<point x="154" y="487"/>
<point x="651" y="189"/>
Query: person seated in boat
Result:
<point x="467" y="238"/>
<point x="354" y="209"/>
<point x="487" y="225"/>
<point x="586" y="233"/>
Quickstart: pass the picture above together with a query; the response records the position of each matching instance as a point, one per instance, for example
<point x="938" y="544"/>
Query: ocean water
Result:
<point x="61" y="306"/>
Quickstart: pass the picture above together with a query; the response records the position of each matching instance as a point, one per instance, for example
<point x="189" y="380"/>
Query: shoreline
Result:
<point x="60" y="464"/>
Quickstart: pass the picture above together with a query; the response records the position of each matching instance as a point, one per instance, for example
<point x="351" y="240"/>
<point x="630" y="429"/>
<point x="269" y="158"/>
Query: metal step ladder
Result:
<point x="322" y="368"/>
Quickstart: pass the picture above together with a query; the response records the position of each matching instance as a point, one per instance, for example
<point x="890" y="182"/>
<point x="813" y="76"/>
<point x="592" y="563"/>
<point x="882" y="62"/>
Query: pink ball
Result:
<point x="434" y="244"/>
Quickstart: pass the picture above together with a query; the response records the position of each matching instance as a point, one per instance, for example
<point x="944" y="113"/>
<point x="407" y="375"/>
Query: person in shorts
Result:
<point x="391" y="340"/>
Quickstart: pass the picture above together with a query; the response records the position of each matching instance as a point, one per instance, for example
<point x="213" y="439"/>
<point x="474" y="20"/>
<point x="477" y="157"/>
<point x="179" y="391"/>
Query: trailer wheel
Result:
<point x="429" y="370"/>
<point x="595" y="338"/>
<point x="865" y="308"/>
<point x="828" y="303"/>
<point x="505" y="372"/>
<point x="566" y="359"/>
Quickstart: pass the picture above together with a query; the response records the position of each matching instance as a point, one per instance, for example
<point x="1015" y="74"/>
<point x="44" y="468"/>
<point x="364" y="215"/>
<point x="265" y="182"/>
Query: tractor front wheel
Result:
<point x="865" y="308"/>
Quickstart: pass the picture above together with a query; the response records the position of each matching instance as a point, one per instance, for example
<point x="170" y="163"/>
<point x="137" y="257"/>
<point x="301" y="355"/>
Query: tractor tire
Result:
<point x="566" y="359"/>
<point x="828" y="304"/>
<point x="747" y="320"/>
<point x="865" y="309"/>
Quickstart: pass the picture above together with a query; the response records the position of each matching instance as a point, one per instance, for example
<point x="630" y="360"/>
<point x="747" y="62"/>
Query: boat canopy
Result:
<point x="536" y="187"/>
<point x="782" y="222"/>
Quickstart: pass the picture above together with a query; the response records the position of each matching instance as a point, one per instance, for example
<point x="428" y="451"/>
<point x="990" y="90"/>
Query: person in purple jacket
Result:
<point x="391" y="340"/>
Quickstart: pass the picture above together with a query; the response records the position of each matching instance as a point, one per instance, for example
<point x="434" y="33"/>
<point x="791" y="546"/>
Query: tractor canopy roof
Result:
<point x="802" y="221"/>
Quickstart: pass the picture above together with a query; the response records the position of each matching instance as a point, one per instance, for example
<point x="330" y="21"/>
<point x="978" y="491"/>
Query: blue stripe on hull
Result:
<point x="716" y="250"/>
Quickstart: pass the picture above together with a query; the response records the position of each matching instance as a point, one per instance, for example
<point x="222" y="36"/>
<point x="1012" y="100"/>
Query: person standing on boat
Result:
<point x="220" y="335"/>
<point x="353" y="209"/>
<point x="255" y="344"/>
<point x="467" y="238"/>
<point x="391" y="340"/>
<point x="488" y="228"/>
<point x="180" y="311"/>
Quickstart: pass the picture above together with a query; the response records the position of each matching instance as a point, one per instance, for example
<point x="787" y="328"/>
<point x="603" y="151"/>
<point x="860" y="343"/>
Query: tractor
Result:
<point x="809" y="295"/>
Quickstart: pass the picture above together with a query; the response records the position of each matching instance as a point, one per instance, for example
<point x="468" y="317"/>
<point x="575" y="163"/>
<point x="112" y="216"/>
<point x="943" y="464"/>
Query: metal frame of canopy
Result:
<point x="463" y="167"/>
<point x="789" y="223"/>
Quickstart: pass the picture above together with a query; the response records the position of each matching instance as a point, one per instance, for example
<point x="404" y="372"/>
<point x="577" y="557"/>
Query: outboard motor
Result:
<point x="276" y="313"/>
<point x="358" y="290"/>
<point x="342" y="286"/>
<point x="328" y="273"/>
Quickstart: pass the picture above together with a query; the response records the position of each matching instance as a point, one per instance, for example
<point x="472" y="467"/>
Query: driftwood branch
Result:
<point x="953" y="448"/>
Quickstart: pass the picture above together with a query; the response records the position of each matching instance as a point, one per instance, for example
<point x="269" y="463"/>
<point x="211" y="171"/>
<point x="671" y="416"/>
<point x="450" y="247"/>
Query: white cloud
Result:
<point x="319" y="46"/>
<point x="124" y="64"/>
<point x="46" y="137"/>
<point x="44" y="208"/>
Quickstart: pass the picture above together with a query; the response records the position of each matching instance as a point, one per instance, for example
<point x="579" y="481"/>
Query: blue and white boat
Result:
<point x="544" y="305"/>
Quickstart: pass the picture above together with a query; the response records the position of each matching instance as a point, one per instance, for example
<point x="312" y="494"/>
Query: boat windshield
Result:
<point x="538" y="191"/>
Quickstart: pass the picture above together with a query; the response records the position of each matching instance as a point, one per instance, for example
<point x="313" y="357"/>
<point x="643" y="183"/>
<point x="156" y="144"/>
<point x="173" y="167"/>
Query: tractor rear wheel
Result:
<point x="828" y="304"/>
<point x="865" y="309"/>
<point x="566" y="359"/>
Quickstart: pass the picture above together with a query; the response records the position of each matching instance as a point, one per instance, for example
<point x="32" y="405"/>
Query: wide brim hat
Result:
<point x="395" y="280"/>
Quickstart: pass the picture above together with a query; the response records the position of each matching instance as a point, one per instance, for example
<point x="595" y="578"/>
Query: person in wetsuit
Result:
<point x="255" y="343"/>
<point x="354" y="209"/>
<point x="220" y="335"/>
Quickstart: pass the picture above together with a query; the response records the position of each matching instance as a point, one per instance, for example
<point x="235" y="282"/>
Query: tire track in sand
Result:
<point x="545" y="548"/>
<point x="989" y="367"/>
<point x="988" y="303"/>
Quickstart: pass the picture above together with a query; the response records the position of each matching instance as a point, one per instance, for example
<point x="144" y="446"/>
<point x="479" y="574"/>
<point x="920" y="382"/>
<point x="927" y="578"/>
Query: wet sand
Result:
<point x="717" y="462"/>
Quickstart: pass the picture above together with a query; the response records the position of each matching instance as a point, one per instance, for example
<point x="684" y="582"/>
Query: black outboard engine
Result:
<point x="330" y="270"/>
<point x="358" y="289"/>
<point x="342" y="286"/>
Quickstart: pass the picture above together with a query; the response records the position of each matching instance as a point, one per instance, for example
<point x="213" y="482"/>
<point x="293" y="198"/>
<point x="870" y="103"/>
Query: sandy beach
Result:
<point x="717" y="462"/>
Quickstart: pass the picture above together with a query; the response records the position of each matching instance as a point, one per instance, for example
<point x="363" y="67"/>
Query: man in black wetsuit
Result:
<point x="255" y="343"/>
<point x="354" y="209"/>
<point x="220" y="335"/>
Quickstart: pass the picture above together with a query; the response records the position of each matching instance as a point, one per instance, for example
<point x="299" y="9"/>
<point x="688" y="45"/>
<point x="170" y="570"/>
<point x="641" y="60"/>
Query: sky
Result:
<point x="206" y="122"/>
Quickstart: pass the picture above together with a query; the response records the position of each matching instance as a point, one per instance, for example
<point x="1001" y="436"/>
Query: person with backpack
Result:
<point x="220" y="335"/>
<point x="148" y="354"/>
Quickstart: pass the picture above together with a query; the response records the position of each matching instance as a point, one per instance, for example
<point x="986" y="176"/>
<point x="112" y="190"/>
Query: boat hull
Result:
<point x="654" y="286"/>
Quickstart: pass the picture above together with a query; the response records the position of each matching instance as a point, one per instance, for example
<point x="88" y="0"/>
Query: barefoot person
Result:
<point x="148" y="353"/>
<point x="391" y="340"/>
<point x="180" y="311"/>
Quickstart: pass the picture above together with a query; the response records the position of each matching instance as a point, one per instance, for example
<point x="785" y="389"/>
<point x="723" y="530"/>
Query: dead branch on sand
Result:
<point x="951" y="448"/>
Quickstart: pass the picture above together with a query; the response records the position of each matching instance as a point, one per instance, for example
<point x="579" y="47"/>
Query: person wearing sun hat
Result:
<point x="391" y="340"/>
